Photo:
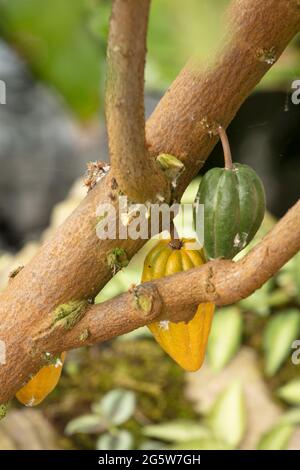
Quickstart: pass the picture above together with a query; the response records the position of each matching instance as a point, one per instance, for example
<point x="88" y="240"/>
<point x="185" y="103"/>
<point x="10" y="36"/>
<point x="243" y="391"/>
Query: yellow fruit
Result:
<point x="36" y="390"/>
<point x="184" y="342"/>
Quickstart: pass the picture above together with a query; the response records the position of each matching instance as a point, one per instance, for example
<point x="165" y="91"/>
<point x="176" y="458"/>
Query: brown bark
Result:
<point x="176" y="297"/>
<point x="257" y="31"/>
<point x="72" y="265"/>
<point x="125" y="114"/>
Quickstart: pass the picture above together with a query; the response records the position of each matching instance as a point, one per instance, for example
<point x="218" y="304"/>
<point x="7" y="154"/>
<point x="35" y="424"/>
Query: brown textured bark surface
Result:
<point x="72" y="265"/>
<point x="217" y="92"/>
<point x="176" y="297"/>
<point x="125" y="115"/>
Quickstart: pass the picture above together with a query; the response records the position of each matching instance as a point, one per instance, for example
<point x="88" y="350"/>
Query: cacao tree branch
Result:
<point x="176" y="297"/>
<point x="73" y="263"/>
<point x="125" y="114"/>
<point x="256" y="33"/>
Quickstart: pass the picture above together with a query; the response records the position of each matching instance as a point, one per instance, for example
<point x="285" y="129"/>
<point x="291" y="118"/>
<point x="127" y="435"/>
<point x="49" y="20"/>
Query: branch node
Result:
<point x="3" y="410"/>
<point x="170" y="165"/>
<point x="267" y="55"/>
<point x="95" y="172"/>
<point x="67" y="315"/>
<point x="117" y="259"/>
<point x="147" y="300"/>
<point x="84" y="335"/>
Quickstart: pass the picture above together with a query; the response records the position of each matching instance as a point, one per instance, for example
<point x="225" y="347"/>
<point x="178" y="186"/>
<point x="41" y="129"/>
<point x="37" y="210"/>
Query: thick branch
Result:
<point x="257" y="32"/>
<point x="125" y="114"/>
<point x="176" y="297"/>
<point x="72" y="265"/>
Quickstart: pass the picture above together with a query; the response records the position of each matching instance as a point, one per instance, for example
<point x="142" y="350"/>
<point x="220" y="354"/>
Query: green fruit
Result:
<point x="234" y="207"/>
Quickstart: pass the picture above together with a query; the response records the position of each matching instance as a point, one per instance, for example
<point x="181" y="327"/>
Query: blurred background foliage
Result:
<point x="64" y="43"/>
<point x="113" y="395"/>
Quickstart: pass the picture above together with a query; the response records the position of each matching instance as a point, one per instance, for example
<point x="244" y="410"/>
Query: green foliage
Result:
<point x="260" y="300"/>
<point x="201" y="444"/>
<point x="290" y="392"/>
<point x="223" y="427"/>
<point x="115" y="408"/>
<point x="291" y="417"/>
<point x="117" y="259"/>
<point x="56" y="40"/>
<point x="129" y="364"/>
<point x="90" y="423"/>
<point x="225" y="337"/>
<point x="277" y="438"/>
<point x="64" y="43"/>
<point x="133" y="359"/>
<point x="119" y="440"/>
<point x="289" y="278"/>
<point x="279" y="334"/>
<point x="177" y="431"/>
<point x="175" y="33"/>
<point x="227" y="417"/>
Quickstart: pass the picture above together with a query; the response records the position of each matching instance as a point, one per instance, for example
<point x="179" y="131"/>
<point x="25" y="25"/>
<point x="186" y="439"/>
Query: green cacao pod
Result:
<point x="234" y="207"/>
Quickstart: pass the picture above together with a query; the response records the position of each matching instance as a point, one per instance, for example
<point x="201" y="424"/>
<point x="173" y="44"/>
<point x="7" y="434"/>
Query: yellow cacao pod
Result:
<point x="37" y="389"/>
<point x="185" y="342"/>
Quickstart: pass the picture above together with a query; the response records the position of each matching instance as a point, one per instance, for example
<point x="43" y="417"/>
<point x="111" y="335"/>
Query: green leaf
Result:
<point x="225" y="337"/>
<point x="260" y="301"/>
<point x="291" y="417"/>
<point x="289" y="277"/>
<point x="267" y="224"/>
<point x="290" y="392"/>
<point x="177" y="431"/>
<point x="201" y="444"/>
<point x="121" y="440"/>
<point x="277" y="438"/>
<point x="85" y="424"/>
<point x="117" y="406"/>
<point x="279" y="334"/>
<point x="227" y="417"/>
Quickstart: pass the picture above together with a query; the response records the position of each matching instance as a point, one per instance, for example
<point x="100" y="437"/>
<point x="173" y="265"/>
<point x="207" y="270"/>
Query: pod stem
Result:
<point x="175" y="243"/>
<point x="226" y="148"/>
